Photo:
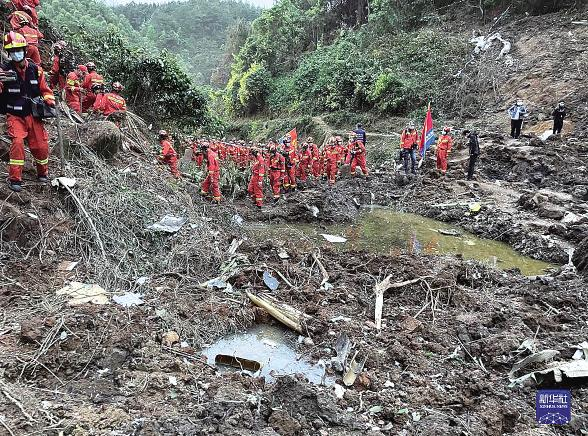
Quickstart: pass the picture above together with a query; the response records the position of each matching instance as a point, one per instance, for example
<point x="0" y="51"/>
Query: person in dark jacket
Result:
<point x="361" y="134"/>
<point x="558" y="118"/>
<point x="474" y="149"/>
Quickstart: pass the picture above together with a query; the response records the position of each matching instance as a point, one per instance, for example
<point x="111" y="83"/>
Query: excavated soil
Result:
<point x="440" y="364"/>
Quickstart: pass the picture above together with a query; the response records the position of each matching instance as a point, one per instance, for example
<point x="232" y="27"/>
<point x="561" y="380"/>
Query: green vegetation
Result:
<point x="388" y="57"/>
<point x="156" y="85"/>
<point x="201" y="32"/>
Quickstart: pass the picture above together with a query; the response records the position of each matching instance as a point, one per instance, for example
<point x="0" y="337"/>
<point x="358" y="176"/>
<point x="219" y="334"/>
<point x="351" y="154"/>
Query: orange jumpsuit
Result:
<point x="211" y="182"/>
<point x="255" y="188"/>
<point x="331" y="158"/>
<point x="109" y="103"/>
<point x="443" y="148"/>
<point x="305" y="164"/>
<point x="277" y="169"/>
<point x="291" y="163"/>
<point x="28" y="6"/>
<point x="57" y="79"/>
<point x="169" y="156"/>
<point x="20" y="123"/>
<point x="32" y="36"/>
<point x="316" y="157"/>
<point x="73" y="92"/>
<point x="357" y="156"/>
<point x="92" y="78"/>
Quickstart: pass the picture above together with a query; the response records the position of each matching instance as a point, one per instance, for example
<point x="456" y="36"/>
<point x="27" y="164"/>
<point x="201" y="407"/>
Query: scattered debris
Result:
<point x="168" y="224"/>
<point x="237" y="362"/>
<point x="334" y="239"/>
<point x="128" y="299"/>
<point x="286" y="316"/>
<point x="342" y="347"/>
<point x="270" y="281"/>
<point x="449" y="232"/>
<point x="339" y="391"/>
<point x="66" y="265"/>
<point x="355" y="368"/>
<point x="541" y="356"/>
<point x="81" y="293"/>
<point x="170" y="338"/>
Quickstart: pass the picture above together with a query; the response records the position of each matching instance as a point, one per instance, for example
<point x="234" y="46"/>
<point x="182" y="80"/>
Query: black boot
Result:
<point x="14" y="185"/>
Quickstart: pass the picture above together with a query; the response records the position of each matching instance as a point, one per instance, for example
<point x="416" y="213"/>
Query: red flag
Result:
<point x="294" y="137"/>
<point x="428" y="133"/>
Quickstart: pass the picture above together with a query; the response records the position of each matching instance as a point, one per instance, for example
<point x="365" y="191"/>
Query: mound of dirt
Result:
<point x="103" y="137"/>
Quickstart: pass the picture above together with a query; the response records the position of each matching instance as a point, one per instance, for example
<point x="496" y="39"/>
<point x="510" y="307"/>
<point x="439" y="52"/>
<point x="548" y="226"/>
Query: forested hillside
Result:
<point x="196" y="30"/>
<point x="386" y="56"/>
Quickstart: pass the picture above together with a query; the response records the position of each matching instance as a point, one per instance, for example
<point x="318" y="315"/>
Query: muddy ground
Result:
<point x="441" y="363"/>
<point x="94" y="369"/>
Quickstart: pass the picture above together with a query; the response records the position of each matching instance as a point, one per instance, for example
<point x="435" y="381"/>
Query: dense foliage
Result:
<point x="201" y="32"/>
<point x="387" y="56"/>
<point x="156" y="85"/>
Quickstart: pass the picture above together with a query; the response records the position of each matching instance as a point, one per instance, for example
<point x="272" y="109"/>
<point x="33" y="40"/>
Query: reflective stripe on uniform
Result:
<point x="42" y="161"/>
<point x="18" y="162"/>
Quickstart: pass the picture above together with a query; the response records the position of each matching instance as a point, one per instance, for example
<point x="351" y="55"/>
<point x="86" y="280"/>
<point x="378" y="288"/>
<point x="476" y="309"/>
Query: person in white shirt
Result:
<point x="517" y="112"/>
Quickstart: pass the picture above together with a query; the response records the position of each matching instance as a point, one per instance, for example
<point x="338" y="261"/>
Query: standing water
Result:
<point x="384" y="231"/>
<point x="273" y="348"/>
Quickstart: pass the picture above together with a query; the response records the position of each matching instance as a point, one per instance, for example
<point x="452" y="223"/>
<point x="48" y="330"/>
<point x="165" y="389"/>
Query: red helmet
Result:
<point x="14" y="40"/>
<point x="82" y="68"/>
<point x="117" y="86"/>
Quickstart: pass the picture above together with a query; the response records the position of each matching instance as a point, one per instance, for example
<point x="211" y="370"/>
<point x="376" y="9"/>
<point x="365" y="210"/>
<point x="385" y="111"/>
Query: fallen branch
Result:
<point x="382" y="287"/>
<point x="321" y="267"/>
<point x="275" y="312"/>
<point x="83" y="209"/>
<point x="17" y="404"/>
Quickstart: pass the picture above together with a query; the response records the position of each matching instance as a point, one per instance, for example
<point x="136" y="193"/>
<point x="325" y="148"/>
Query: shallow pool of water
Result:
<point x="382" y="230"/>
<point x="273" y="347"/>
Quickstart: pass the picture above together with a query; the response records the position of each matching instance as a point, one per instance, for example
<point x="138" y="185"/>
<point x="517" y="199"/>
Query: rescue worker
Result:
<point x="361" y="134"/>
<point x="357" y="156"/>
<point x="15" y="102"/>
<point x="90" y="81"/>
<point x="210" y="185"/>
<point x="168" y="155"/>
<point x="444" y="145"/>
<point x="305" y="162"/>
<point x="558" y="118"/>
<point x="316" y="157"/>
<point x="58" y="72"/>
<point x="255" y="188"/>
<point x="408" y="146"/>
<point x="291" y="158"/>
<point x="73" y="88"/>
<point x="111" y="102"/>
<point x="331" y="160"/>
<point x="341" y="150"/>
<point x="21" y="23"/>
<point x="474" y="150"/>
<point x="28" y="6"/>
<point x="517" y="112"/>
<point x="277" y="170"/>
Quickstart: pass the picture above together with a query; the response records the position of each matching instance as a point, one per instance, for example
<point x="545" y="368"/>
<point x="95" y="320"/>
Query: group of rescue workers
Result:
<point x="284" y="164"/>
<point x="27" y="97"/>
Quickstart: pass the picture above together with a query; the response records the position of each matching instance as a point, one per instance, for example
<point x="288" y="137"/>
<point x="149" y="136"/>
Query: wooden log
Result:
<point x="275" y="312"/>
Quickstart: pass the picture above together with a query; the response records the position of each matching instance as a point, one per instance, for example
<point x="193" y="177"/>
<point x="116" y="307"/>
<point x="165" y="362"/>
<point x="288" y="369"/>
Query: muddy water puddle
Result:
<point x="273" y="347"/>
<point x="381" y="230"/>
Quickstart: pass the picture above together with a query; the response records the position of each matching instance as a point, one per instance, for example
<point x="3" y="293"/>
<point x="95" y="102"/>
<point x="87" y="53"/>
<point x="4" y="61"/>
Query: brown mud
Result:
<point x="440" y="365"/>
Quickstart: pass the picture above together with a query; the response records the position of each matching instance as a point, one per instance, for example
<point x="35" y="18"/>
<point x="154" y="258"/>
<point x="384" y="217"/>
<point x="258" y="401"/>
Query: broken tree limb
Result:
<point x="275" y="312"/>
<point x="321" y="267"/>
<point x="83" y="209"/>
<point x="382" y="287"/>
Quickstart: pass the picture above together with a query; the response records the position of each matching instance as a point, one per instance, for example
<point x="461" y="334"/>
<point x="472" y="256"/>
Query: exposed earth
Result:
<point x="442" y="361"/>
